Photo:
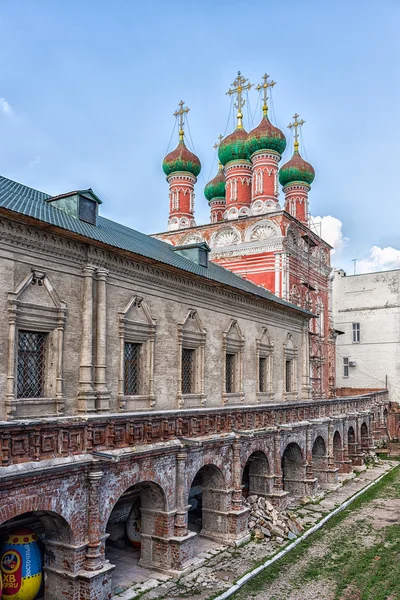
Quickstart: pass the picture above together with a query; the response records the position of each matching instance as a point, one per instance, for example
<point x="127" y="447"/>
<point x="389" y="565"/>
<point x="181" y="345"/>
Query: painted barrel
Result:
<point x="134" y="525"/>
<point x="21" y="565"/>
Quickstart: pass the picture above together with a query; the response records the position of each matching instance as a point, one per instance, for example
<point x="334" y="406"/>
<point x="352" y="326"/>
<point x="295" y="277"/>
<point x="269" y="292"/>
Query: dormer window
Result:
<point x="197" y="253"/>
<point x="81" y="204"/>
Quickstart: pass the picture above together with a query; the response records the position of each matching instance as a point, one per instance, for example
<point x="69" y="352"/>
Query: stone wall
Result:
<point x="88" y="298"/>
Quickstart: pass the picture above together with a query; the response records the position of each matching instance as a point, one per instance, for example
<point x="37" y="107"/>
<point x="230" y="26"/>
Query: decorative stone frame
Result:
<point x="192" y="339"/>
<point x="233" y="343"/>
<point x="265" y="349"/>
<point x="32" y="316"/>
<point x="290" y="352"/>
<point x="138" y="332"/>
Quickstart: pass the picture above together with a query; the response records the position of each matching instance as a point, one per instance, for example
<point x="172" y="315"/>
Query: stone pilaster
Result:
<point x="181" y="517"/>
<point x="236" y="475"/>
<point x="94" y="556"/>
<point x="309" y="460"/>
<point x="102" y="392"/>
<point x="305" y="359"/>
<point x="86" y="395"/>
<point x="278" y="481"/>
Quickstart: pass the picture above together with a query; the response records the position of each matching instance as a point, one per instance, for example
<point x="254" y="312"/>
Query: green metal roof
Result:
<point x="27" y="201"/>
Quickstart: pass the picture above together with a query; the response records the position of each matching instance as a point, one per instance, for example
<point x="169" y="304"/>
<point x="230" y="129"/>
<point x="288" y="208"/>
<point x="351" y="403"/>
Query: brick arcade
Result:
<point x="66" y="477"/>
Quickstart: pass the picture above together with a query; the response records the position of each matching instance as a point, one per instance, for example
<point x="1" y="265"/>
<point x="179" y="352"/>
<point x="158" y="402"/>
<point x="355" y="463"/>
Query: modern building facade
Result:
<point x="366" y="310"/>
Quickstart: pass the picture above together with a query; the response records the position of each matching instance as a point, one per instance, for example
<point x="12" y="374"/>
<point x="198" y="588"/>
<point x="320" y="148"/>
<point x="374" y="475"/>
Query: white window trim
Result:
<point x="290" y="352"/>
<point x="356" y="332"/>
<point x="348" y="367"/>
<point x="233" y="345"/>
<point x="265" y="349"/>
<point x="192" y="340"/>
<point x="140" y="333"/>
<point x="37" y="318"/>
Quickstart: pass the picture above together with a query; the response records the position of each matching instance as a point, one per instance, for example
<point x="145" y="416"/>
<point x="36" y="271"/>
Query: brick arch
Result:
<point x="55" y="524"/>
<point x="293" y="467"/>
<point x="293" y="439"/>
<point x="256" y="474"/>
<point x="215" y="474"/>
<point x="317" y="434"/>
<point x="364" y="435"/>
<point x="260" y="446"/>
<point x="151" y="491"/>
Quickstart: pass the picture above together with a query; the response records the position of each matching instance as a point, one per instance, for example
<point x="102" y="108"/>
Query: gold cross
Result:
<point x="264" y="86"/>
<point x="241" y="84"/>
<point x="180" y="113"/>
<point x="217" y="144"/>
<point x="296" y="124"/>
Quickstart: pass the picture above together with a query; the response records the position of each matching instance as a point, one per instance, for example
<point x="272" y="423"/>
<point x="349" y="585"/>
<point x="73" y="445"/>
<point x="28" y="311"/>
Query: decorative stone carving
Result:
<point x="226" y="237"/>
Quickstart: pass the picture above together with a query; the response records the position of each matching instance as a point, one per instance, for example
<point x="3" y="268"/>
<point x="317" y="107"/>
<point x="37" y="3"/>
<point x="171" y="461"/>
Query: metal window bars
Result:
<point x="188" y="370"/>
<point x="132" y="368"/>
<point x="31" y="364"/>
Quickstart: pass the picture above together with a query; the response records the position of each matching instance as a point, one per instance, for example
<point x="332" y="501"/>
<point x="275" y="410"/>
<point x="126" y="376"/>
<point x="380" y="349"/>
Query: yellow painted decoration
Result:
<point x="21" y="566"/>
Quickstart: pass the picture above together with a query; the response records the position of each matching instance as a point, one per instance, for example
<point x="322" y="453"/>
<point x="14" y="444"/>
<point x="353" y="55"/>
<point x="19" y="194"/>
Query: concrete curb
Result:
<point x="243" y="580"/>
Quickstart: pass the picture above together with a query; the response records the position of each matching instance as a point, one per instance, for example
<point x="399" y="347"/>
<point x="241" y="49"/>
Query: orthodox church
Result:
<point x="250" y="232"/>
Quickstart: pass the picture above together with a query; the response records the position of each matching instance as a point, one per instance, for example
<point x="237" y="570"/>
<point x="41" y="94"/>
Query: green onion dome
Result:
<point x="216" y="187"/>
<point x="181" y="159"/>
<point x="296" y="169"/>
<point x="266" y="137"/>
<point x="233" y="147"/>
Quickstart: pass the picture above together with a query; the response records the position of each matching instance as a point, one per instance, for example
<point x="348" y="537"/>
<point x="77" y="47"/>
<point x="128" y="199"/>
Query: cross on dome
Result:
<point x="295" y="125"/>
<point x="264" y="86"/>
<point x="183" y="110"/>
<point x="217" y="144"/>
<point x="240" y="85"/>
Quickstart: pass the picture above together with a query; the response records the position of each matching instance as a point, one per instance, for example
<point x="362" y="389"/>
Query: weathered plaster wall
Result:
<point x="373" y="300"/>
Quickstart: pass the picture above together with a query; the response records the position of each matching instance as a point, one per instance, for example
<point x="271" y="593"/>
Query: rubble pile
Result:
<point x="266" y="523"/>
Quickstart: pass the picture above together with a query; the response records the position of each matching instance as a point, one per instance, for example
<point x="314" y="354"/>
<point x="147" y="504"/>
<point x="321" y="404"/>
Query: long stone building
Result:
<point x="134" y="372"/>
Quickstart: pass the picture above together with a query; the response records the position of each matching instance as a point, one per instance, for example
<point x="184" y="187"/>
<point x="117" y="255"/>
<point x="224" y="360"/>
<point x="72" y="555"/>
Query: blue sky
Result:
<point x="88" y="90"/>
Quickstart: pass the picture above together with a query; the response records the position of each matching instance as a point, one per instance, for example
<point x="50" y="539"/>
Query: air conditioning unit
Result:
<point x="352" y="363"/>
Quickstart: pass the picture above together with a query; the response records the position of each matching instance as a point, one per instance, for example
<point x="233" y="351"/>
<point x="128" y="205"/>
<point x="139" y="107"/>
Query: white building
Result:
<point x="366" y="309"/>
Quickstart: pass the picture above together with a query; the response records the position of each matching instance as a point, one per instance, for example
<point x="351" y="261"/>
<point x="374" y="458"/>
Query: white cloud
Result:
<point x="5" y="108"/>
<point x="379" y="259"/>
<point x="330" y="229"/>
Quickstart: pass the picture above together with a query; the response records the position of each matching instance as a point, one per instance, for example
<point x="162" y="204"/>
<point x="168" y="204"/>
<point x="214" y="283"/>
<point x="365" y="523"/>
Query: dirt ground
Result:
<point x="356" y="557"/>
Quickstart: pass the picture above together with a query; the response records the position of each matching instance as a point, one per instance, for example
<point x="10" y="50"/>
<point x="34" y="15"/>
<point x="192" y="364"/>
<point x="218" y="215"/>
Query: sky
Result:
<point x="88" y="90"/>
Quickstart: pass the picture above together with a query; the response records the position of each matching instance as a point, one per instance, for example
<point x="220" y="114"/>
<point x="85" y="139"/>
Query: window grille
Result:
<point x="288" y="375"/>
<point x="188" y="356"/>
<point x="262" y="374"/>
<point x="345" y="367"/>
<point x="230" y="373"/>
<point x="356" y="332"/>
<point x="132" y="370"/>
<point x="31" y="351"/>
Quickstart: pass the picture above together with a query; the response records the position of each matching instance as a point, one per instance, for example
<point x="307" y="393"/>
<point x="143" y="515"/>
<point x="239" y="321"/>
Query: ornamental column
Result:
<point x="236" y="475"/>
<point x="86" y="395"/>
<point x="102" y="392"/>
<point x="305" y="359"/>
<point x="309" y="461"/>
<point x="94" y="555"/>
<point x="181" y="524"/>
<point x="278" y="479"/>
